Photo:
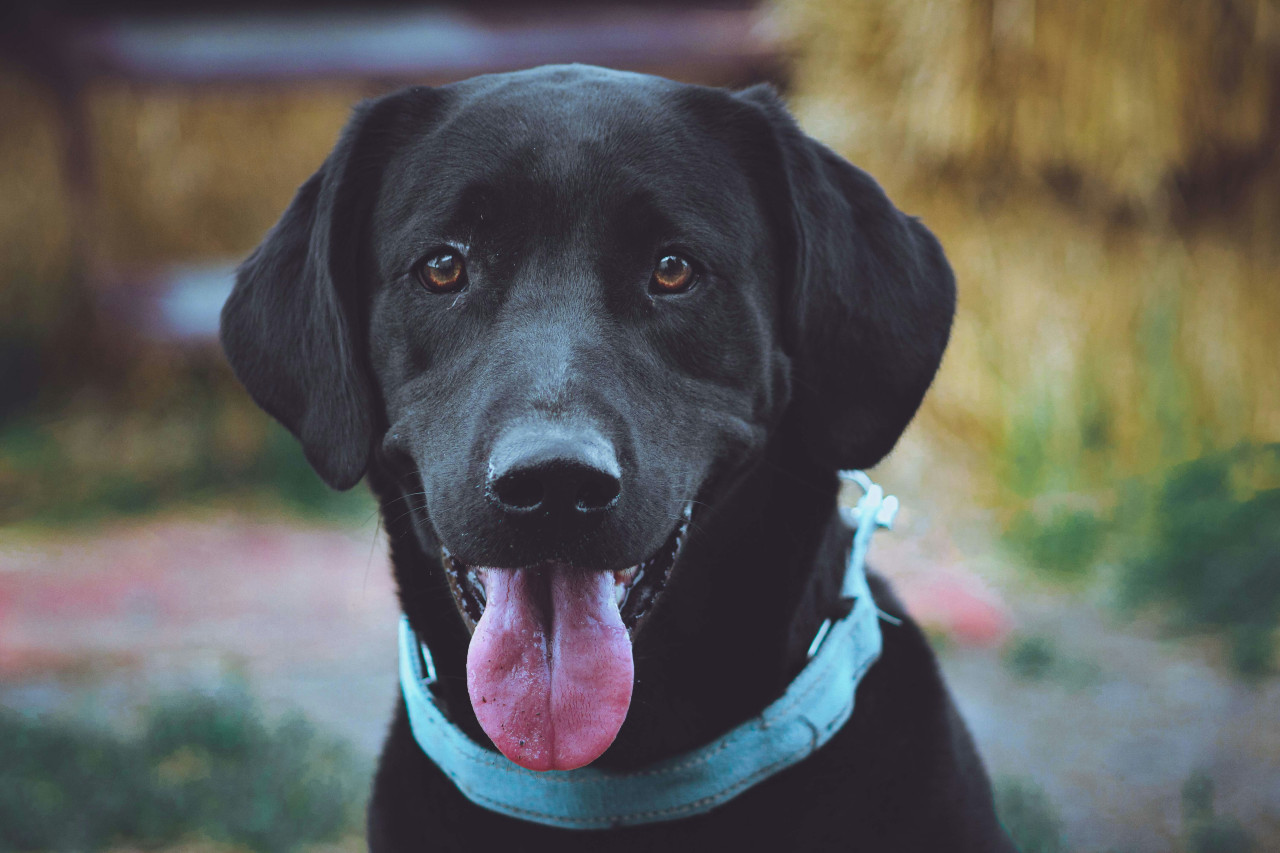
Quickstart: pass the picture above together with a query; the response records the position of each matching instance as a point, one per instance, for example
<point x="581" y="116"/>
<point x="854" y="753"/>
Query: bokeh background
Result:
<point x="197" y="637"/>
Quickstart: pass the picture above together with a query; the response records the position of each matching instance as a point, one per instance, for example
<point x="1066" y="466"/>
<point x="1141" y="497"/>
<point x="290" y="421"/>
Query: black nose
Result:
<point x="569" y="471"/>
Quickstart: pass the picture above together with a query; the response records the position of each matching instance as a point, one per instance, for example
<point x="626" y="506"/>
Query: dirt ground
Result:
<point x="1110" y="723"/>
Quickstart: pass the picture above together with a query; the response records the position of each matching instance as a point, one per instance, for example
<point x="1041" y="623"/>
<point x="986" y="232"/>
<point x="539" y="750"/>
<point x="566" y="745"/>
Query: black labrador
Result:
<point x="548" y="315"/>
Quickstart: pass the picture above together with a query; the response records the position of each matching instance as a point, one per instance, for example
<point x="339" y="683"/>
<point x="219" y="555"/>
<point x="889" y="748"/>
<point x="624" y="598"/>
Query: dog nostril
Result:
<point x="519" y="490"/>
<point x="563" y="471"/>
<point x="597" y="491"/>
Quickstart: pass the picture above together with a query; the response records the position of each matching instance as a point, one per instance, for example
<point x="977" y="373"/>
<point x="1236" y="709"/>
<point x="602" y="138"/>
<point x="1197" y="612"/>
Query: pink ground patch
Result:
<point x="940" y="592"/>
<point x="141" y="593"/>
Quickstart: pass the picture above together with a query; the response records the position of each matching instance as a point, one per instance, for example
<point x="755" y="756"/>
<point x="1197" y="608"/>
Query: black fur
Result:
<point x="806" y="345"/>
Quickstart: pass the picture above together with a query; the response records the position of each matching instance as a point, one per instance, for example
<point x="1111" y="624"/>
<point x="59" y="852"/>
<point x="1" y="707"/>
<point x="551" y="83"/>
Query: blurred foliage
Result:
<point x="1065" y="544"/>
<point x="1033" y="823"/>
<point x="1037" y="658"/>
<point x="1106" y="182"/>
<point x="201" y="767"/>
<point x="1202" y="539"/>
<point x="1204" y="830"/>
<point x="204" y="442"/>
<point x="1212" y="551"/>
<point x="94" y="423"/>
<point x="1031" y="658"/>
<point x="1028" y="816"/>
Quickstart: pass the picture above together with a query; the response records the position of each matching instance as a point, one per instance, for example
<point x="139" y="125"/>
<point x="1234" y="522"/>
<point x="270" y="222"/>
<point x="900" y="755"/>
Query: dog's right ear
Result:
<point x="294" y="325"/>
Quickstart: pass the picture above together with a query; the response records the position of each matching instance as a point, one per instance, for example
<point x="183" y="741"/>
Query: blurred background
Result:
<point x="197" y="638"/>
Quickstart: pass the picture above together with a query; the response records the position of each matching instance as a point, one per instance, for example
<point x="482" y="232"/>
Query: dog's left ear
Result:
<point x="869" y="304"/>
<point x="293" y="328"/>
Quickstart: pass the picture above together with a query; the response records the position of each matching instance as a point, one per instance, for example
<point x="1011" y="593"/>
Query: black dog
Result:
<point x="565" y="320"/>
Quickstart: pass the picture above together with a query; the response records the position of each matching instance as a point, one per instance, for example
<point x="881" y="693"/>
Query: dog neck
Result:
<point x="760" y="574"/>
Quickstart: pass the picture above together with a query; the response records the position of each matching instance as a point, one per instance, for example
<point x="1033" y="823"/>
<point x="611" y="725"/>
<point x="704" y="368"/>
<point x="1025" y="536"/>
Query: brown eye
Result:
<point x="672" y="274"/>
<point x="442" y="272"/>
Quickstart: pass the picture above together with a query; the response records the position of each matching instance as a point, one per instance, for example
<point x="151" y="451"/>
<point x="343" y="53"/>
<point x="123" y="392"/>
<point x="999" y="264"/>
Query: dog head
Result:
<point x="563" y="306"/>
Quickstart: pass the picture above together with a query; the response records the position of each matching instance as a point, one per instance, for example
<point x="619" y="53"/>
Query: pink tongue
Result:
<point x="549" y="667"/>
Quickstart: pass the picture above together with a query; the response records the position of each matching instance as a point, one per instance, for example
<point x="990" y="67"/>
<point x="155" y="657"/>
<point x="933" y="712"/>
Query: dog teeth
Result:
<point x="468" y="581"/>
<point x="623" y="581"/>
<point x="477" y="587"/>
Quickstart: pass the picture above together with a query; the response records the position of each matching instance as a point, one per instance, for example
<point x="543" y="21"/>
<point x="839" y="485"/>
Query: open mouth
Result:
<point x="549" y="666"/>
<point x="635" y="588"/>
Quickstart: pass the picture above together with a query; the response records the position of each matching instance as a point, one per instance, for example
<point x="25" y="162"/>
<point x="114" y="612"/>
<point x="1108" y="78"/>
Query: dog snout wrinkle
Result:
<point x="562" y="470"/>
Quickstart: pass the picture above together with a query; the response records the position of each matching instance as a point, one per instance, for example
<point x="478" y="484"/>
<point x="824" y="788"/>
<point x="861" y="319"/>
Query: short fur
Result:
<point x="816" y="325"/>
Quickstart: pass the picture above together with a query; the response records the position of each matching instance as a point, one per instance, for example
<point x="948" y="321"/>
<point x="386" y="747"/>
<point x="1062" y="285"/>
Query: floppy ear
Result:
<point x="294" y="326"/>
<point x="868" y="308"/>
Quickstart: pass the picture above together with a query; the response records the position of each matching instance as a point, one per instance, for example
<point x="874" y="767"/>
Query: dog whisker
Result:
<point x="405" y="497"/>
<point x="373" y="544"/>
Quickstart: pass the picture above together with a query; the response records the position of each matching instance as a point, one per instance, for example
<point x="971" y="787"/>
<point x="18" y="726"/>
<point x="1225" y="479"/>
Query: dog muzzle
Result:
<point x="814" y="707"/>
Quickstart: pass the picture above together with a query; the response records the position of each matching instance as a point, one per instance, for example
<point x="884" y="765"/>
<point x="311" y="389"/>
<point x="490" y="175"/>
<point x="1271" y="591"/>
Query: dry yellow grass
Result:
<point x="34" y="212"/>
<point x="180" y="173"/>
<point x="1121" y="94"/>
<point x="1141" y="348"/>
<point x="1108" y="325"/>
<point x="186" y="174"/>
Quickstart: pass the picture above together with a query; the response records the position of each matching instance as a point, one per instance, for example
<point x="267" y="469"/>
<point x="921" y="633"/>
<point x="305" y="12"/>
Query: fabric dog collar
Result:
<point x="814" y="707"/>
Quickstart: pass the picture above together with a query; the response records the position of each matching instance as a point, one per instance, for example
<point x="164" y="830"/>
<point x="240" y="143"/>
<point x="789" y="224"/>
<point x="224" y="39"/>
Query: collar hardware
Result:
<point x="814" y="707"/>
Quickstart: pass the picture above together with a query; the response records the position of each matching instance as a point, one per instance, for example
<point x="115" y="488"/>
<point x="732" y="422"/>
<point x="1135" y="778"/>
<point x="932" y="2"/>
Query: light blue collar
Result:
<point x="813" y="708"/>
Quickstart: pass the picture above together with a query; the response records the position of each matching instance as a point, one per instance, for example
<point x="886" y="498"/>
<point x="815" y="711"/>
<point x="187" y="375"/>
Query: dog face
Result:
<point x="609" y="335"/>
<point x="563" y="307"/>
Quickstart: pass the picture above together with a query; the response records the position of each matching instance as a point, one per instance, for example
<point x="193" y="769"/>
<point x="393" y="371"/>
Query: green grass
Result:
<point x="1200" y="540"/>
<point x="1179" y="518"/>
<point x="51" y="474"/>
<point x="1064" y="543"/>
<point x="200" y="768"/>
<point x="1037" y="658"/>
<point x="1212" y="551"/>
<point x="1204" y="830"/>
<point x="1028" y="816"/>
